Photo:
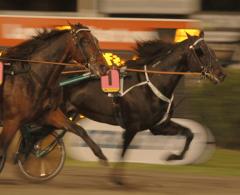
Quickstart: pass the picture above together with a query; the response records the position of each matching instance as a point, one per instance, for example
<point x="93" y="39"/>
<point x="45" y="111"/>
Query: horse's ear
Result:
<point x="201" y="34"/>
<point x="188" y="35"/>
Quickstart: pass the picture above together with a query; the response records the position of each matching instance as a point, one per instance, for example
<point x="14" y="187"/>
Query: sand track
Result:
<point x="77" y="180"/>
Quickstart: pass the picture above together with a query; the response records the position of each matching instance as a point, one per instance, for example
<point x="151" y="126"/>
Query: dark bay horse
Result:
<point x="31" y="91"/>
<point x="147" y="102"/>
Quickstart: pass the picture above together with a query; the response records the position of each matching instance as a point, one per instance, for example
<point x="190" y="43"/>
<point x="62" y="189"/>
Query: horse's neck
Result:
<point x="58" y="52"/>
<point x="173" y="63"/>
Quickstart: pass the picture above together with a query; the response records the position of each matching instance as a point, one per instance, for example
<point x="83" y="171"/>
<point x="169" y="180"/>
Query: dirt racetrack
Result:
<point x="85" y="181"/>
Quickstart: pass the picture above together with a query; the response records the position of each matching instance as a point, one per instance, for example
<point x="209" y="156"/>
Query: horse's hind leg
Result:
<point x="57" y="119"/>
<point x="10" y="128"/>
<point x="172" y="128"/>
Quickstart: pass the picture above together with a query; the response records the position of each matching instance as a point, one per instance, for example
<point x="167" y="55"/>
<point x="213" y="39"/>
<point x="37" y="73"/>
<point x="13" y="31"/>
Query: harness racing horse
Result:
<point x="147" y="102"/>
<point x="31" y="92"/>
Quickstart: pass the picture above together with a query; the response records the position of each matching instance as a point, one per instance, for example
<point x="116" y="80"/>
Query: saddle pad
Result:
<point x="110" y="83"/>
<point x="1" y="73"/>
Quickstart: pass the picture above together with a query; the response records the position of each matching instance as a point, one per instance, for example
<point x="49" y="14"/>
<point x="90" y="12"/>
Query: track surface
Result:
<point x="76" y="180"/>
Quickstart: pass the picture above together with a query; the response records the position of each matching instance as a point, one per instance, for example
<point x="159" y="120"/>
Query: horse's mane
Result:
<point x="148" y="50"/>
<point x="25" y="49"/>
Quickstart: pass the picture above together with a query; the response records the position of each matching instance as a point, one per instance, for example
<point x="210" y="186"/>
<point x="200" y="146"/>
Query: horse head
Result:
<point x="201" y="58"/>
<point x="86" y="49"/>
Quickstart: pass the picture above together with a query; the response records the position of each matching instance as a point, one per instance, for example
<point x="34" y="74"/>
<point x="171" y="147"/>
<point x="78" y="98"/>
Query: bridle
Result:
<point x="204" y="68"/>
<point x="76" y="41"/>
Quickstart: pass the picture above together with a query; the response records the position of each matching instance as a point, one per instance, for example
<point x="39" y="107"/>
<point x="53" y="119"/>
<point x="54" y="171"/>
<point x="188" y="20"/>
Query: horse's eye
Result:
<point x="199" y="52"/>
<point x="85" y="41"/>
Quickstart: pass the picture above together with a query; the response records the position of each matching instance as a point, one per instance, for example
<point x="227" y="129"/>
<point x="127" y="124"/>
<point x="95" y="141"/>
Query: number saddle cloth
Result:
<point x="1" y="72"/>
<point x="110" y="83"/>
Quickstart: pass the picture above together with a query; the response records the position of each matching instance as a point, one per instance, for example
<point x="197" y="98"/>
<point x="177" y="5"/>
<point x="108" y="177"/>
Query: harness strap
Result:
<point x="197" y="41"/>
<point x="129" y="89"/>
<point x="158" y="93"/>
<point x="154" y="89"/>
<point x="165" y="117"/>
<point x="81" y="29"/>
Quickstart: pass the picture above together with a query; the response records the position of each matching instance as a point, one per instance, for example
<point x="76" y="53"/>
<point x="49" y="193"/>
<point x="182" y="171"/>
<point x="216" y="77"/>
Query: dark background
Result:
<point x="71" y="5"/>
<point x="221" y="5"/>
<point x="39" y="5"/>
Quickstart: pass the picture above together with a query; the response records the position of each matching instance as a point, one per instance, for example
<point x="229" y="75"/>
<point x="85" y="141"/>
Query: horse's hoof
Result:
<point x="104" y="162"/>
<point x="117" y="180"/>
<point x="174" y="157"/>
<point x="2" y="162"/>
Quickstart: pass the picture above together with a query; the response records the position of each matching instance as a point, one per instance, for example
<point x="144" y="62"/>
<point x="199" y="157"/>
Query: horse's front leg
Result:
<point x="117" y="175"/>
<point x="10" y="128"/>
<point x="172" y="128"/>
<point x="59" y="120"/>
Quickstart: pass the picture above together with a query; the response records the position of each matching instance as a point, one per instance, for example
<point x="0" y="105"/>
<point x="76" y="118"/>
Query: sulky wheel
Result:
<point x="45" y="160"/>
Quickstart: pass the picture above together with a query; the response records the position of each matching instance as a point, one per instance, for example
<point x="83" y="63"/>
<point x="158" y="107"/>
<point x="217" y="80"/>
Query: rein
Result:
<point x="87" y="70"/>
<point x="163" y="72"/>
<point x="42" y="62"/>
<point x="126" y="69"/>
<point x="142" y="71"/>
